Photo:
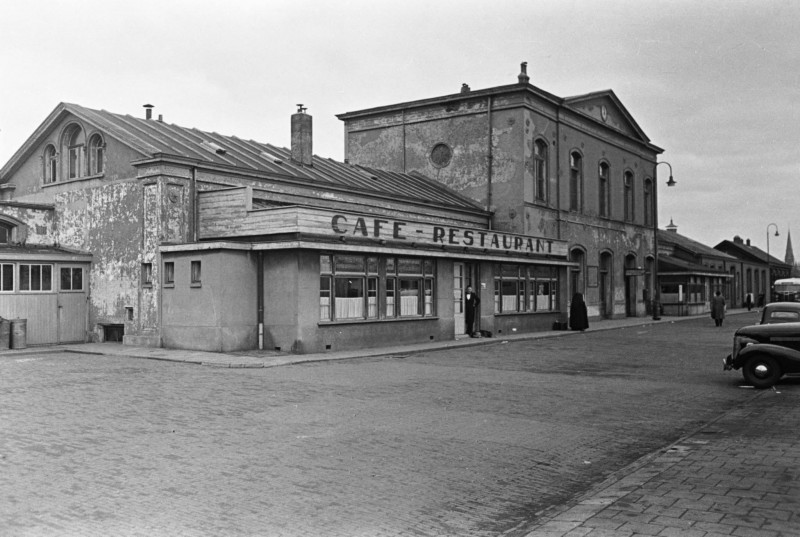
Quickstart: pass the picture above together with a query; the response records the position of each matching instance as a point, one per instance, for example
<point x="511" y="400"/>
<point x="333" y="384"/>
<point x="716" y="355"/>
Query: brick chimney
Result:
<point x="301" y="137"/>
<point x="523" y="75"/>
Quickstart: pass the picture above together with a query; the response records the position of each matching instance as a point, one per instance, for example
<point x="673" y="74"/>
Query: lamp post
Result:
<point x="656" y="285"/>
<point x="768" y="290"/>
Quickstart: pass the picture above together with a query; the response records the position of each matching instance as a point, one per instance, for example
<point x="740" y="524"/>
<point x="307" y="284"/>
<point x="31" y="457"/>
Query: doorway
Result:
<point x="464" y="275"/>
<point x="606" y="284"/>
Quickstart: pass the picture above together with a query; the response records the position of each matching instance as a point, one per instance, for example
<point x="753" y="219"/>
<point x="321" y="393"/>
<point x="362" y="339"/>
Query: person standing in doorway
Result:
<point x="471" y="303"/>
<point x="718" y="308"/>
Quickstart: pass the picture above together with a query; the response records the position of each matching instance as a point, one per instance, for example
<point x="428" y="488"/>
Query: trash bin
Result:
<point x="19" y="329"/>
<point x="5" y="334"/>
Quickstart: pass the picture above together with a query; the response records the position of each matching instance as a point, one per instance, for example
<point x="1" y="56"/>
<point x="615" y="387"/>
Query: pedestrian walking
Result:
<point x="471" y="303"/>
<point x="748" y="301"/>
<point x="718" y="308"/>
<point x="578" y="317"/>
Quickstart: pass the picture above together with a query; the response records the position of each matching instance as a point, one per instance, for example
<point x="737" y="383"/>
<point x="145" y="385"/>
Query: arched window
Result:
<point x="575" y="181"/>
<point x="627" y="184"/>
<point x="50" y="163"/>
<point x="603" y="190"/>
<point x="72" y="150"/>
<point x="96" y="154"/>
<point x="649" y="210"/>
<point x="540" y="170"/>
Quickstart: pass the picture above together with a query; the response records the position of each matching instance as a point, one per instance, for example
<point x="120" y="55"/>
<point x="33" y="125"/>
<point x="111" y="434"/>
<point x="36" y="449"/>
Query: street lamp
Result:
<point x="768" y="290"/>
<point x="656" y="285"/>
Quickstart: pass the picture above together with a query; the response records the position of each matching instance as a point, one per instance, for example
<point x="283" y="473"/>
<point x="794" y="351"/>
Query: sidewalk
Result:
<point x="260" y="359"/>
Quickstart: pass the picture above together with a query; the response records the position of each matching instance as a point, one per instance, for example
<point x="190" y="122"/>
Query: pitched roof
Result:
<point x="691" y="245"/>
<point x="741" y="250"/>
<point x="152" y="138"/>
<point x="668" y="264"/>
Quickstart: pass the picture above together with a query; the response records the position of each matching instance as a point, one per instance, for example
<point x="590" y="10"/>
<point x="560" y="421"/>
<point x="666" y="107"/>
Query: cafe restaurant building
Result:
<point x="196" y="240"/>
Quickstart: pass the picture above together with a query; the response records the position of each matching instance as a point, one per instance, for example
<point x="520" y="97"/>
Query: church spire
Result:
<point x="789" y="258"/>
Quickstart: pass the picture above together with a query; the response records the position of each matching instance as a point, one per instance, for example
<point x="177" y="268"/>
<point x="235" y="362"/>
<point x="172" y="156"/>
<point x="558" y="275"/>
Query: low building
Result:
<point x="690" y="273"/>
<point x="175" y="237"/>
<point x="755" y="271"/>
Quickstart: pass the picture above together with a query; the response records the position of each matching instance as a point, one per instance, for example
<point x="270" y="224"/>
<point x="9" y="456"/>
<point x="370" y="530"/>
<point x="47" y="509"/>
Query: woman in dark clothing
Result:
<point x="578" y="318"/>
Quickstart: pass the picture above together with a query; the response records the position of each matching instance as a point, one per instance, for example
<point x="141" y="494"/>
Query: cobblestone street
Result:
<point x="470" y="441"/>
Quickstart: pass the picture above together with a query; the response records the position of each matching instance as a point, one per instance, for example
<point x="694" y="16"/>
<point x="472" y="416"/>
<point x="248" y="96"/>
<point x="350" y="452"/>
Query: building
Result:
<point x="754" y="272"/>
<point x="578" y="170"/>
<point x="114" y="227"/>
<point x="690" y="273"/>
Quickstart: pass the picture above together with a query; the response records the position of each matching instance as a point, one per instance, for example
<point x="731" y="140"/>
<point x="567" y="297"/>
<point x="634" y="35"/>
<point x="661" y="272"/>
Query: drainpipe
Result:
<point x="404" y="140"/>
<point x="489" y="158"/>
<point x="193" y="203"/>
<point x="558" y="174"/>
<point x="260" y="298"/>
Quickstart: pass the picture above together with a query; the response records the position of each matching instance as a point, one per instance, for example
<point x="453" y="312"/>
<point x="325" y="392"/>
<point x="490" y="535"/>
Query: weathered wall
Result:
<point x="33" y="225"/>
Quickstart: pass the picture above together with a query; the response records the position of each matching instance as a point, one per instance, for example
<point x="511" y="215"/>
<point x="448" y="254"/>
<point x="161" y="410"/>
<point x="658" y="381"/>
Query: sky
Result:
<point x="716" y="84"/>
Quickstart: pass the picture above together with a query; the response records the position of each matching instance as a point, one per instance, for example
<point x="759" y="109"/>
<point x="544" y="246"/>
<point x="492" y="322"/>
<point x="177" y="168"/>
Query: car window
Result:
<point x="785" y="316"/>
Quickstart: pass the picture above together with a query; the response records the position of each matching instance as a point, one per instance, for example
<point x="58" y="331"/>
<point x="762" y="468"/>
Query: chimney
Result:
<point x="148" y="111"/>
<point x="748" y="242"/>
<point x="523" y="75"/>
<point x="301" y="137"/>
<point x="464" y="88"/>
<point x="737" y="240"/>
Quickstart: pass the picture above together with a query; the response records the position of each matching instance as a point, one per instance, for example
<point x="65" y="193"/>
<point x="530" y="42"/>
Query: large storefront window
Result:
<point x="354" y="287"/>
<point x="521" y="288"/>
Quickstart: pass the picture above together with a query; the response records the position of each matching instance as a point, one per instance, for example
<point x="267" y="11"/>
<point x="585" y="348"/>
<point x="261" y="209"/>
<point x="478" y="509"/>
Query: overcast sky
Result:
<point x="714" y="83"/>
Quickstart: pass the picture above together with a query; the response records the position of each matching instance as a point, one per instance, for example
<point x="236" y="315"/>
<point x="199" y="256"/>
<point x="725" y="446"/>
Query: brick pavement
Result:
<point x="467" y="441"/>
<point x="737" y="476"/>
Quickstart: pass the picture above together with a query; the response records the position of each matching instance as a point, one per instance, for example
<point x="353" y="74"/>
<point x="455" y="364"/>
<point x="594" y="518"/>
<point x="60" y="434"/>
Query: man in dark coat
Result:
<point x="578" y="316"/>
<point x="471" y="303"/>
<point x="718" y="308"/>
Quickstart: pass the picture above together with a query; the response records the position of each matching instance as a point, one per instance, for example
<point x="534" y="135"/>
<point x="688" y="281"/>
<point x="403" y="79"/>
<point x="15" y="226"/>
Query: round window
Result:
<point x="441" y="154"/>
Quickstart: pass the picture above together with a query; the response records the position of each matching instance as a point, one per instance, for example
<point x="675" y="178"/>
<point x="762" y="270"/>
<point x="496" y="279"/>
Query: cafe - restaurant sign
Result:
<point x="420" y="233"/>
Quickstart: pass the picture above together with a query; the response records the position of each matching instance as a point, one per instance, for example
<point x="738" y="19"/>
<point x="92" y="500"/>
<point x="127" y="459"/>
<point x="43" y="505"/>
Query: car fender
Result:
<point x="784" y="356"/>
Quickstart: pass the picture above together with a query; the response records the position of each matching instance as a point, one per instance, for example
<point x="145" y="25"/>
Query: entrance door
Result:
<point x="606" y="286"/>
<point x="459" y="284"/>
<point x="72" y="304"/>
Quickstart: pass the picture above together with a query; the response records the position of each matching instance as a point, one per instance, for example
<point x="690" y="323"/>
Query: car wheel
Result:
<point x="761" y="371"/>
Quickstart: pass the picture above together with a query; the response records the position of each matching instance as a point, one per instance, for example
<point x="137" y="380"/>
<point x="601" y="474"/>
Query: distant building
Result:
<point x="690" y="273"/>
<point x="573" y="169"/>
<point x="754" y="271"/>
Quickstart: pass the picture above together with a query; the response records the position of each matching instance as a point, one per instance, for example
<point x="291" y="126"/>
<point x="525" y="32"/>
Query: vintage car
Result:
<point x="781" y="312"/>
<point x="766" y="352"/>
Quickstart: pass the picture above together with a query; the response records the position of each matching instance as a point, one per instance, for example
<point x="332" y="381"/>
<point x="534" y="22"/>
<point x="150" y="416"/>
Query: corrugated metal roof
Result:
<point x="152" y="138"/>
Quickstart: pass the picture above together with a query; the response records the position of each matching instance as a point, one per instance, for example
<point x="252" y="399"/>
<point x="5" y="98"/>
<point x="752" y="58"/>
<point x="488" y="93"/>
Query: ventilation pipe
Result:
<point x="148" y="111"/>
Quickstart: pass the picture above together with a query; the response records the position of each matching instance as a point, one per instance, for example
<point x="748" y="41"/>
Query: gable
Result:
<point x="605" y="108"/>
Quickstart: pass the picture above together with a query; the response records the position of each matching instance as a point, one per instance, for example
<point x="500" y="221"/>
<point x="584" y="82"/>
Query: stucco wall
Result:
<point x="220" y="313"/>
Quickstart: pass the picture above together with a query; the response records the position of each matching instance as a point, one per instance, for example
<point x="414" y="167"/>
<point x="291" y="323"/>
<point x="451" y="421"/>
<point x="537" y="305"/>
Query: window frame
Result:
<point x="604" y="190"/>
<point x="525" y="281"/>
<point x="575" y="181"/>
<point x="195" y="273"/>
<point x="50" y="165"/>
<point x="379" y="282"/>
<point x="70" y="288"/>
<point x="540" y="162"/>
<point x="648" y="202"/>
<point x="628" y="195"/>
<point x="169" y="274"/>
<point x="96" y="154"/>
<point x="8" y="269"/>
<point x="22" y="283"/>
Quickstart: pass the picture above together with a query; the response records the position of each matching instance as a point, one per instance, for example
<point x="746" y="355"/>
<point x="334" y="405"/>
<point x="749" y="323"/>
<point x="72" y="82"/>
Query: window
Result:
<point x="72" y="150"/>
<point x="627" y="182"/>
<point x="96" y="154"/>
<point x="603" y="190"/>
<point x="520" y="288"/>
<point x="196" y="275"/>
<point x="351" y="287"/>
<point x="169" y="273"/>
<point x="50" y="164"/>
<point x="5" y="233"/>
<point x="35" y="277"/>
<point x="6" y="277"/>
<point x="575" y="181"/>
<point x="147" y="274"/>
<point x="648" y="202"/>
<point x="71" y="279"/>
<point x="540" y="170"/>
